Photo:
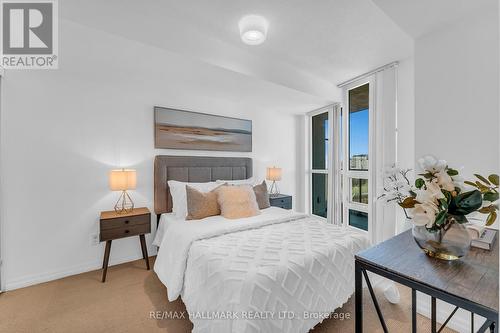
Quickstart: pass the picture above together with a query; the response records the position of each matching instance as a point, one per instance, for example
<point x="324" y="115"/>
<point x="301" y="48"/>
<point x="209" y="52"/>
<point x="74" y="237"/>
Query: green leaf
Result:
<point x="444" y="203"/>
<point x="440" y="218"/>
<point x="491" y="218"/>
<point x="427" y="175"/>
<point x="493" y="179"/>
<point x="482" y="188"/>
<point x="419" y="182"/>
<point x="448" y="196"/>
<point x="460" y="219"/>
<point x="490" y="196"/>
<point x="481" y="178"/>
<point x="465" y="203"/>
<point x="470" y="183"/>
<point x="452" y="172"/>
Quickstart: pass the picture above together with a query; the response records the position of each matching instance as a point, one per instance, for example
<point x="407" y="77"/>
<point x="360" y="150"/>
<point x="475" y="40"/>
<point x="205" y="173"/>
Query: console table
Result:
<point x="470" y="283"/>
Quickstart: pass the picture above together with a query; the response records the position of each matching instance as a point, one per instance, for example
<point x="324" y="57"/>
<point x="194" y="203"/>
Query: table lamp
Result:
<point x="123" y="180"/>
<point x="273" y="174"/>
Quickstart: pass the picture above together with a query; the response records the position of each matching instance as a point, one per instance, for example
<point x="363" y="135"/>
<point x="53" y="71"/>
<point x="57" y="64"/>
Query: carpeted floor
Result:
<point x="81" y="303"/>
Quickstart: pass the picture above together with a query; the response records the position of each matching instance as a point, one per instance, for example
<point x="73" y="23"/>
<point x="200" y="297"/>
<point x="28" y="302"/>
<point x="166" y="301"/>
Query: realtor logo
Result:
<point x="29" y="34"/>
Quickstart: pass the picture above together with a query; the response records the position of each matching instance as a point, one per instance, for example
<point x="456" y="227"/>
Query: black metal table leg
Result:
<point x="487" y="324"/>
<point x="362" y="268"/>
<point x="433" y="315"/>
<point x="448" y="319"/>
<point x="413" y="311"/>
<point x="375" y="302"/>
<point x="358" y="298"/>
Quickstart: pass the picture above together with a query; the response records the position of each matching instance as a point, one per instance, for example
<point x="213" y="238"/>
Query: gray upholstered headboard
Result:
<point x="194" y="169"/>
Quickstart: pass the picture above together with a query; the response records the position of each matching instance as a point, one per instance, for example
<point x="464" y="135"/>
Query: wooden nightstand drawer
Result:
<point x="113" y="225"/>
<point x="127" y="231"/>
<point x="281" y="201"/>
<point x="125" y="222"/>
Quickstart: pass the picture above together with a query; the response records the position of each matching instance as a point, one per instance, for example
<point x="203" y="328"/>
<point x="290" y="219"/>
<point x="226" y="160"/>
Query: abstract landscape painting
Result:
<point x="179" y="129"/>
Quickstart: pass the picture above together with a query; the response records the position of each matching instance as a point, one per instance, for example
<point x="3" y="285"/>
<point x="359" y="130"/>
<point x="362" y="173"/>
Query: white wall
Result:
<point x="63" y="130"/>
<point x="457" y="106"/>
<point x="456" y="77"/>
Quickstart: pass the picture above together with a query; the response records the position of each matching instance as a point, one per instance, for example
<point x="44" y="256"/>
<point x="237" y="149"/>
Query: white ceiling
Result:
<point x="311" y="45"/>
<point x="419" y="17"/>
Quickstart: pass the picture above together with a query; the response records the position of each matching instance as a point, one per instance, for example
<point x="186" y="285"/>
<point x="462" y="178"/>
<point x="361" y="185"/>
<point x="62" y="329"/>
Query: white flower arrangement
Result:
<point x="438" y="197"/>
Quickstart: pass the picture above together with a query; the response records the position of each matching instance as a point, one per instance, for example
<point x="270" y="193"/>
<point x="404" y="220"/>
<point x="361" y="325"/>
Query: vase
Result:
<point x="449" y="243"/>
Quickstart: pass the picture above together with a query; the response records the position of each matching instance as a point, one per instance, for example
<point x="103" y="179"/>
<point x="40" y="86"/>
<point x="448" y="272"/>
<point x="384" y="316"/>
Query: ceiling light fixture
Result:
<point x="253" y="29"/>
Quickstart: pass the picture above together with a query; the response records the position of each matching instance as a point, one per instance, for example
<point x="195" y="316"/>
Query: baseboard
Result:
<point x="51" y="276"/>
<point x="460" y="321"/>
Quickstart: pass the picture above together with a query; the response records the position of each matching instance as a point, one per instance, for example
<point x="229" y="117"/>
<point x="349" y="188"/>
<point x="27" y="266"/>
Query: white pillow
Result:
<point x="179" y="196"/>
<point x="249" y="181"/>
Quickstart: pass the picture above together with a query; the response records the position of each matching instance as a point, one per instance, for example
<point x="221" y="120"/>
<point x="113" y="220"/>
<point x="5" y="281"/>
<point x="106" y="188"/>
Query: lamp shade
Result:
<point x="273" y="174"/>
<point x="122" y="180"/>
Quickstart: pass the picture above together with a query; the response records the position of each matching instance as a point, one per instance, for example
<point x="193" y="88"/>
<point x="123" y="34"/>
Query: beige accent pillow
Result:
<point x="237" y="201"/>
<point x="261" y="195"/>
<point x="201" y="204"/>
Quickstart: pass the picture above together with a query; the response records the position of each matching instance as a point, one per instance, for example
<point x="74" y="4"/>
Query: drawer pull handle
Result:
<point x="127" y="221"/>
<point x="127" y="231"/>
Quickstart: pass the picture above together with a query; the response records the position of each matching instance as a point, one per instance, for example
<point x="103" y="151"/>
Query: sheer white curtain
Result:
<point x="385" y="136"/>
<point x="385" y="148"/>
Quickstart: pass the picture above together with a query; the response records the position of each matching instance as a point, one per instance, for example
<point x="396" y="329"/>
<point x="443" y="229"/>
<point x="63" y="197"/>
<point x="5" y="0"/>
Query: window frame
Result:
<point x="346" y="173"/>
<point x="328" y="171"/>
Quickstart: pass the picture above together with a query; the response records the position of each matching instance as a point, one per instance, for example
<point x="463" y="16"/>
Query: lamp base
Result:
<point x="274" y="191"/>
<point x="124" y="204"/>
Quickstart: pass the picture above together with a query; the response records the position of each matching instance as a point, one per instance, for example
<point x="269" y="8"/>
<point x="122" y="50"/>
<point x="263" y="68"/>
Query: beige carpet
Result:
<point x="81" y="303"/>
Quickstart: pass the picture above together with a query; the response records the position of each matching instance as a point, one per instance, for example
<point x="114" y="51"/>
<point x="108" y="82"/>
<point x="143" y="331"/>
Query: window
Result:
<point x="356" y="174"/>
<point x="320" y="141"/>
<point x="358" y="219"/>
<point x="358" y="128"/>
<point x="320" y="194"/>
<point x="320" y="155"/>
<point x="325" y="177"/>
<point x="359" y="190"/>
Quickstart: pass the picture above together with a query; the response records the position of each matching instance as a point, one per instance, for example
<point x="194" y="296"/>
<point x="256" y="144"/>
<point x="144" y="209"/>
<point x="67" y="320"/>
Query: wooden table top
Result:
<point x="473" y="277"/>
<point x="111" y="214"/>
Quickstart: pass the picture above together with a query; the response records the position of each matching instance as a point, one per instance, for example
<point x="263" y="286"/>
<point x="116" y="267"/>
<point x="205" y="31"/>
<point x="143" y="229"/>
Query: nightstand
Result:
<point x="115" y="226"/>
<point x="281" y="200"/>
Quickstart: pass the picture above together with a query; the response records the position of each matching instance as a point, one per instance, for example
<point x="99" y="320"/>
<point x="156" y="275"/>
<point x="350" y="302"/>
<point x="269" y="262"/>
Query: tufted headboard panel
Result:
<point x="198" y="169"/>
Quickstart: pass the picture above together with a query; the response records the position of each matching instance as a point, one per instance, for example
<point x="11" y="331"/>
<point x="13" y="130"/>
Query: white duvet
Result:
<point x="276" y="272"/>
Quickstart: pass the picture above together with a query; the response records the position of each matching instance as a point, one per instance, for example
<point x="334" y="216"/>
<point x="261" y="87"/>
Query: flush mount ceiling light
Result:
<point x="253" y="29"/>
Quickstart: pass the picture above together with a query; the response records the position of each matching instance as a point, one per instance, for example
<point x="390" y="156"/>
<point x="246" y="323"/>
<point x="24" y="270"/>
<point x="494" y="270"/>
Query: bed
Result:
<point x="280" y="271"/>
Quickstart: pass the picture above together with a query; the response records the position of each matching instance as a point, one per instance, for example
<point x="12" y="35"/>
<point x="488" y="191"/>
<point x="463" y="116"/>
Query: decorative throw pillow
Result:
<point x="261" y="195"/>
<point x="178" y="193"/>
<point x="237" y="201"/>
<point x="201" y="204"/>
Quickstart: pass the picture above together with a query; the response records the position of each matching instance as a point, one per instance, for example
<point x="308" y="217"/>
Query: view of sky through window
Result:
<point x="358" y="138"/>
